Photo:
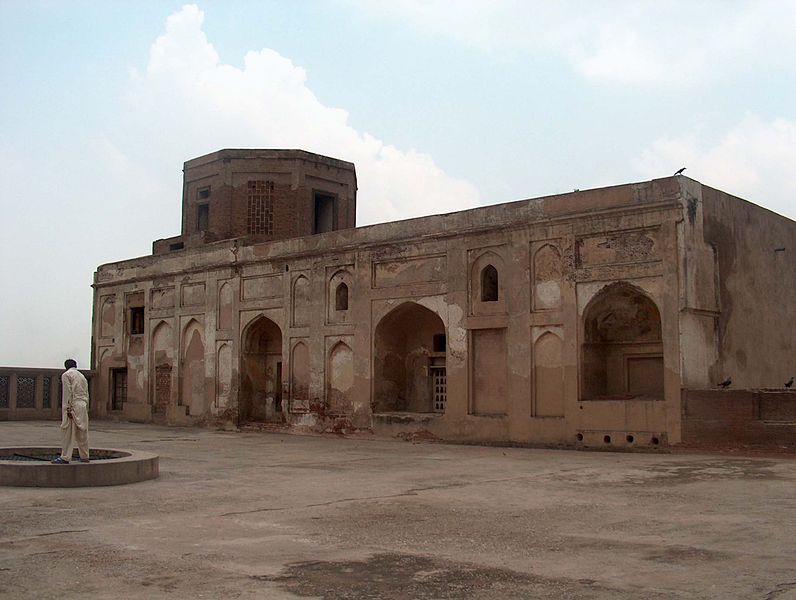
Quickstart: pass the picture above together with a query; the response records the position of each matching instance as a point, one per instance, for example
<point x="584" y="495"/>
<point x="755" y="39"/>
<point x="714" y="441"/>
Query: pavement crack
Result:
<point x="60" y="532"/>
<point x="780" y="589"/>
<point x="329" y="503"/>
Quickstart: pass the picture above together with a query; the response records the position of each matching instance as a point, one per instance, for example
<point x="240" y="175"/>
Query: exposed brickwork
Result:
<point x="747" y="417"/>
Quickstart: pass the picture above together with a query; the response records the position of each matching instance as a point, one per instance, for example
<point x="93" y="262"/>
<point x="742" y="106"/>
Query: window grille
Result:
<point x="261" y="207"/>
<point x="119" y="396"/>
<point x="4" y="380"/>
<point x="439" y="381"/>
<point x="46" y="385"/>
<point x="26" y="392"/>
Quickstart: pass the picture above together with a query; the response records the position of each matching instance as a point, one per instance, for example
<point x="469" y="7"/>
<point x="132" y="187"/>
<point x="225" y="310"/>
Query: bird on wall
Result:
<point x="679" y="171"/>
<point x="789" y="383"/>
<point x="726" y="383"/>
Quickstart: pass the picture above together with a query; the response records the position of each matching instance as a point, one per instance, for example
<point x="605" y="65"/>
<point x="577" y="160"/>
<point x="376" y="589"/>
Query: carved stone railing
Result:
<point x="30" y="393"/>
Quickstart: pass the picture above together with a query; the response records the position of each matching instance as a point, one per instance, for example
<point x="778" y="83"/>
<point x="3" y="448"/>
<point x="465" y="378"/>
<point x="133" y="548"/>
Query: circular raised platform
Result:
<point x="30" y="466"/>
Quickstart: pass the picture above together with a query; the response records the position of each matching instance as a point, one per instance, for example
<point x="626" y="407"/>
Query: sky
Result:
<point x="441" y="104"/>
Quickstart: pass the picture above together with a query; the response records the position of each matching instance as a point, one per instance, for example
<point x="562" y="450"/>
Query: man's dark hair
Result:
<point x="69" y="363"/>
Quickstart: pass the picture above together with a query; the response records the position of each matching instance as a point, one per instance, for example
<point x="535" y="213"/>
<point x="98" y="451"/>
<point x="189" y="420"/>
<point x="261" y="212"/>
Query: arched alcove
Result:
<point x="300" y="377"/>
<point x="489" y="284"/>
<point x="547" y="272"/>
<point x="548" y="376"/>
<point x="622" y="351"/>
<point x="340" y="287"/>
<point x="162" y="365"/>
<point x="341" y="297"/>
<point x="192" y="390"/>
<point x="405" y="363"/>
<point x="108" y="317"/>
<point x="340" y="379"/>
<point x="223" y="376"/>
<point x="225" y="300"/>
<point x="260" y="395"/>
<point x="301" y="302"/>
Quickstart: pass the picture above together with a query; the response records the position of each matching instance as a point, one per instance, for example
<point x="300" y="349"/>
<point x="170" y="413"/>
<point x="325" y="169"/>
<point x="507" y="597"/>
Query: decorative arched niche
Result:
<point x="162" y="366"/>
<point x="340" y="379"/>
<point x="300" y="377"/>
<point x="622" y="350"/>
<point x="193" y="368"/>
<point x="547" y="274"/>
<point x="339" y="297"/>
<point x="487" y="284"/>
<point x="548" y="376"/>
<point x="301" y="302"/>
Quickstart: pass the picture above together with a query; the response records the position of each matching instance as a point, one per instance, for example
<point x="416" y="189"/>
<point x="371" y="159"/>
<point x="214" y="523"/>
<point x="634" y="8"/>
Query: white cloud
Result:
<point x="188" y="102"/>
<point x="663" y="42"/>
<point x="755" y="160"/>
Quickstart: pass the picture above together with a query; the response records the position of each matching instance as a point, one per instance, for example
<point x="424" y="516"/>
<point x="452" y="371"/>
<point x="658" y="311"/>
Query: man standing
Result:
<point x="74" y="408"/>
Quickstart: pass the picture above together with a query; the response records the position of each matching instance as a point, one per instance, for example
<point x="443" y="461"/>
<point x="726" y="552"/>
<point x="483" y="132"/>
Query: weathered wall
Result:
<point x="512" y="353"/>
<point x="765" y="418"/>
<point x="755" y="253"/>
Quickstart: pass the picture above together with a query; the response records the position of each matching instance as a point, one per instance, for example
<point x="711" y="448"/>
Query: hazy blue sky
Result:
<point x="441" y="104"/>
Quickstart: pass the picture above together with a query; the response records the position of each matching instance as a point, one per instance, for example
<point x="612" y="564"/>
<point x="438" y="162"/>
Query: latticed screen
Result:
<point x="4" y="391"/>
<point x="45" y="392"/>
<point x="440" y="383"/>
<point x="26" y="392"/>
<point x="119" y="389"/>
<point x="261" y="206"/>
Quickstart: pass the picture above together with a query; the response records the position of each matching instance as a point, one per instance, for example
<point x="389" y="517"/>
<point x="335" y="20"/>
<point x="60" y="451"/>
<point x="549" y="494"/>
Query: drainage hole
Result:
<point x="579" y="437"/>
<point x="607" y="439"/>
<point x="655" y="441"/>
<point x="630" y="439"/>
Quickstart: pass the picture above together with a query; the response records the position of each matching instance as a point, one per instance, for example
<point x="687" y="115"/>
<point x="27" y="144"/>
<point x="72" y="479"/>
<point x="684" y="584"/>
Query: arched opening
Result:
<point x="409" y="375"/>
<point x="489" y="284"/>
<point x="341" y="297"/>
<point x="622" y="353"/>
<point x="260" y="396"/>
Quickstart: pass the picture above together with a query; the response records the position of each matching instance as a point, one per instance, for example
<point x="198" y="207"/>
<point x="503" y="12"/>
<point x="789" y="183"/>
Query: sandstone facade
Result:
<point x="581" y="318"/>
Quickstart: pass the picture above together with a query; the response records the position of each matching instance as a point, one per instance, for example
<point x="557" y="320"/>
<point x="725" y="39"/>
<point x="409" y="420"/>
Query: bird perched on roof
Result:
<point x="789" y="383"/>
<point x="679" y="171"/>
<point x="726" y="383"/>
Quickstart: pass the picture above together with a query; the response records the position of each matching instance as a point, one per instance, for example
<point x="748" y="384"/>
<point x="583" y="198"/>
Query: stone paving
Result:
<point x="268" y="515"/>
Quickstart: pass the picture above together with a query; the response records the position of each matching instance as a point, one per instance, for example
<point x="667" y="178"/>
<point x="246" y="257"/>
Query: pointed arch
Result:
<point x="548" y="376"/>
<point x="260" y="394"/>
<point x="108" y="316"/>
<point x="225" y="306"/>
<point x="622" y="350"/>
<point x="192" y="374"/>
<point x="404" y="359"/>
<point x="300" y="376"/>
<point x="223" y="376"/>
<point x="301" y="301"/>
<point x="338" y="298"/>
<point x="341" y="296"/>
<point x="489" y="284"/>
<point x="340" y="379"/>
<point x="547" y="273"/>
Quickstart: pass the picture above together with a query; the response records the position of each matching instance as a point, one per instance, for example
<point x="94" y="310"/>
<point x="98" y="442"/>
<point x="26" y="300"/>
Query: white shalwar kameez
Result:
<point x="74" y="428"/>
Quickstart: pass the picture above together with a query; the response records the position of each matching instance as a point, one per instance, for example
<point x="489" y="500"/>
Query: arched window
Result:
<point x="341" y="297"/>
<point x="489" y="284"/>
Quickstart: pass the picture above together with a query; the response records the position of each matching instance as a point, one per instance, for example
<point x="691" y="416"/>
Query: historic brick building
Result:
<point x="591" y="317"/>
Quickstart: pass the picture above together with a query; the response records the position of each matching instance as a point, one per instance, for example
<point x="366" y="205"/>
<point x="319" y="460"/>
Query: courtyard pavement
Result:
<point x="268" y="515"/>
